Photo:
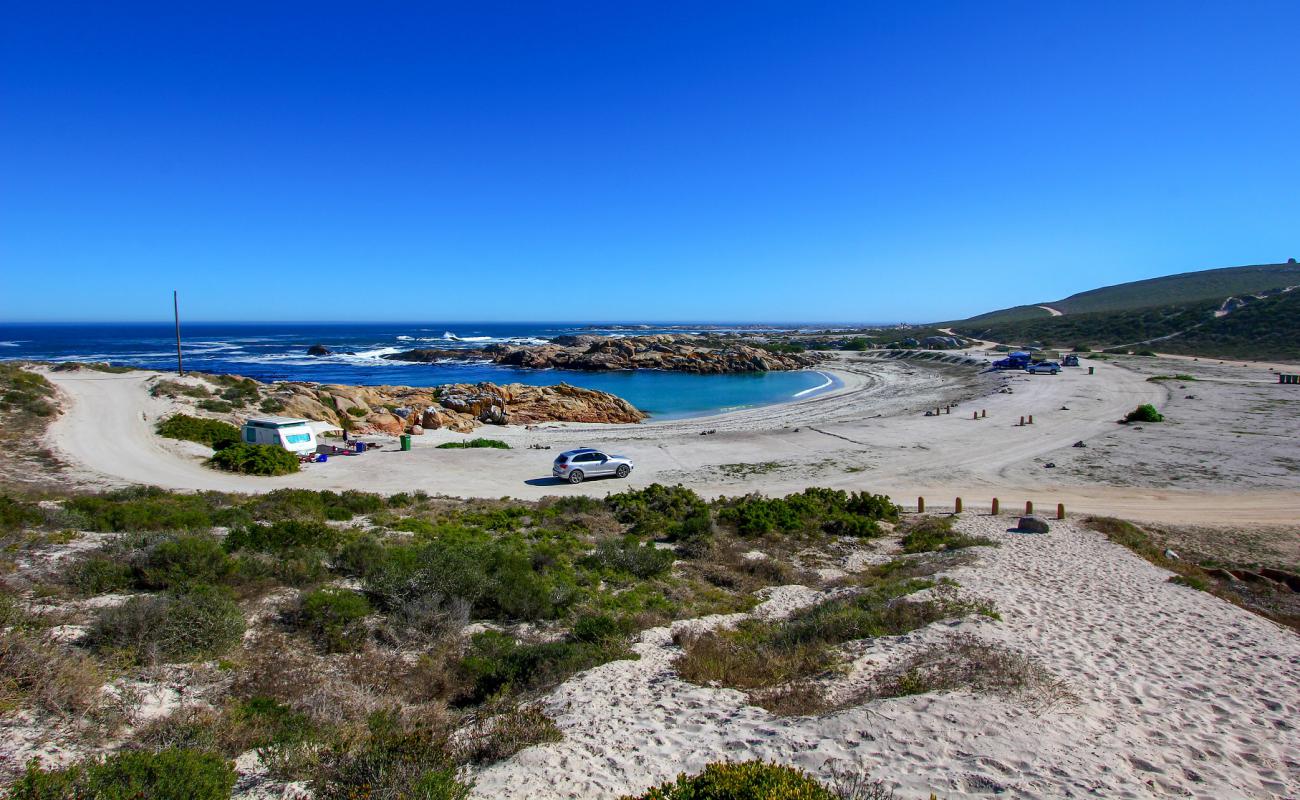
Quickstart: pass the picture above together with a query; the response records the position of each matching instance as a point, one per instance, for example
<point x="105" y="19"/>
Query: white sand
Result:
<point x="1182" y="695"/>
<point x="871" y="434"/>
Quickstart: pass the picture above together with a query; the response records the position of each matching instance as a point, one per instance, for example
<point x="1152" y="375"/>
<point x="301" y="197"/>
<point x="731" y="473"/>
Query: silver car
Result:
<point x="575" y="466"/>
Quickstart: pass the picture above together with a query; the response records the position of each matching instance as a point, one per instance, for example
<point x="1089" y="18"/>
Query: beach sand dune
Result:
<point x="1181" y="695"/>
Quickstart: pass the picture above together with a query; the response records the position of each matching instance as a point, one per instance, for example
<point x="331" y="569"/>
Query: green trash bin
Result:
<point x="406" y="442"/>
<point x="1091" y="369"/>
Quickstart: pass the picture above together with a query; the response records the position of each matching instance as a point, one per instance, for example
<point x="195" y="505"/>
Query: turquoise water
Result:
<point x="271" y="352"/>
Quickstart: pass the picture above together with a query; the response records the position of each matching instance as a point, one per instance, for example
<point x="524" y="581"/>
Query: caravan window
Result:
<point x="298" y="438"/>
<point x="250" y="435"/>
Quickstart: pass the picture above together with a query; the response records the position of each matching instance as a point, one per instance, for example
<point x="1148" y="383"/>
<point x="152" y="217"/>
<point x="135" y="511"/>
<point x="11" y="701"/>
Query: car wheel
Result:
<point x="576" y="476"/>
<point x="623" y="470"/>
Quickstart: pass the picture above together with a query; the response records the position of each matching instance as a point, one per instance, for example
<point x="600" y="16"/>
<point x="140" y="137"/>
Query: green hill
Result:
<point x="1176" y="313"/>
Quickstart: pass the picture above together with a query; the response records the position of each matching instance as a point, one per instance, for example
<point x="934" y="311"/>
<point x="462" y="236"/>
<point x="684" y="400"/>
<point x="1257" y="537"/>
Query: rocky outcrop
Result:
<point x="600" y="353"/>
<point x="459" y="407"/>
<point x="319" y="350"/>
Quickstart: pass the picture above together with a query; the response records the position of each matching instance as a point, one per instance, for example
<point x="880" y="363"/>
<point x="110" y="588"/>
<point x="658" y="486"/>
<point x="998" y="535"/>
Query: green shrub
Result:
<point x="183" y="560"/>
<point x="674" y="513"/>
<point x="747" y="780"/>
<point x="197" y="622"/>
<point x="165" y="388"/>
<point x="495" y="663"/>
<point x="216" y="406"/>
<point x="141" y="508"/>
<point x="832" y="511"/>
<point x="630" y="555"/>
<point x="333" y="617"/>
<point x="1144" y="413"/>
<point x="255" y="459"/>
<point x="394" y="761"/>
<point x="282" y="535"/>
<point x="358" y="412"/>
<point x="16" y="514"/>
<point x="475" y="443"/>
<point x="213" y="433"/>
<point x="98" y="574"/>
<point x="935" y="534"/>
<point x="132" y="775"/>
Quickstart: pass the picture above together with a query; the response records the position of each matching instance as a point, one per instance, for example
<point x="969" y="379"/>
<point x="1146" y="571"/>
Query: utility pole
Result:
<point x="176" y="310"/>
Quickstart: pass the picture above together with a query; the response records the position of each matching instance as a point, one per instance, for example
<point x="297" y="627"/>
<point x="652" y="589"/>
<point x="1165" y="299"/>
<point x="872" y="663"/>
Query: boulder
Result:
<point x="1034" y="524"/>
<point x="319" y="350"/>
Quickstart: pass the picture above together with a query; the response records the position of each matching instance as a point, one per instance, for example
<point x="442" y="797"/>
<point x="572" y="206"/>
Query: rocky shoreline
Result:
<point x="460" y="407"/>
<point x="678" y="353"/>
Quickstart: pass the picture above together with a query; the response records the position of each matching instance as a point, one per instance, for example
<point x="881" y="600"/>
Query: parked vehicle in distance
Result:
<point x="1049" y="367"/>
<point x="1070" y="361"/>
<point x="1017" y="360"/>
<point x="575" y="466"/>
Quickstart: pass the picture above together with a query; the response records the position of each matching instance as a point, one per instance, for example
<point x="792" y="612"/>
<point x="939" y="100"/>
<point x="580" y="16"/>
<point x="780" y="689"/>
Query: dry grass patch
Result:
<point x="965" y="662"/>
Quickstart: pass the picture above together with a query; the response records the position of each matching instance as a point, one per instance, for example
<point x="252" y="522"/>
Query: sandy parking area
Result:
<point x="871" y="434"/>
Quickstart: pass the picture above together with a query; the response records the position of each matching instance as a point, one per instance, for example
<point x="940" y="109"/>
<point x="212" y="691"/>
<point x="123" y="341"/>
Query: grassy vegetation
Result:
<point x="211" y="432"/>
<point x="166" y="775"/>
<point x="475" y="443"/>
<point x="747" y="780"/>
<point x="339" y="652"/>
<point x="935" y="534"/>
<point x="777" y="662"/>
<point x="255" y="459"/>
<point x="1144" y="413"/>
<point x="1179" y="377"/>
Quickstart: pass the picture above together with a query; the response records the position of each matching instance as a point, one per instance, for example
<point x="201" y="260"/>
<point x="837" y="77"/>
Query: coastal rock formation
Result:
<point x="319" y="350"/>
<point x="460" y="407"/>
<point x="693" y="354"/>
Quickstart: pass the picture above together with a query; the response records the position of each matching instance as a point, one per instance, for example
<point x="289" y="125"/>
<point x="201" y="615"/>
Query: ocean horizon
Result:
<point x="278" y="352"/>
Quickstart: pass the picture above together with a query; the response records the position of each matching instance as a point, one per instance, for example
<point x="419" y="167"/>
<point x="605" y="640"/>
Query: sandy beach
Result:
<point x="1223" y="457"/>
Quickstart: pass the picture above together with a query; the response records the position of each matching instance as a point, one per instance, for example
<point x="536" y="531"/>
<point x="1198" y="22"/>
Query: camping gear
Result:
<point x="361" y="448"/>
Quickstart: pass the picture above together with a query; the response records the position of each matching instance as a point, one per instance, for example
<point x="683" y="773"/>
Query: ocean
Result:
<point x="278" y="351"/>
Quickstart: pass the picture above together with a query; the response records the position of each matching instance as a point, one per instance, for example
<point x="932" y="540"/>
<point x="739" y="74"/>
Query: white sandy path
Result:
<point x="1183" y="696"/>
<point x="108" y="436"/>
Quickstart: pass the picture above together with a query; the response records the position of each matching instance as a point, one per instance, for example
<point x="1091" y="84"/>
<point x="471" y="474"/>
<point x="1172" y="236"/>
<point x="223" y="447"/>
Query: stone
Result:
<point x="319" y="350"/>
<point x="1032" y="524"/>
<point x="417" y="430"/>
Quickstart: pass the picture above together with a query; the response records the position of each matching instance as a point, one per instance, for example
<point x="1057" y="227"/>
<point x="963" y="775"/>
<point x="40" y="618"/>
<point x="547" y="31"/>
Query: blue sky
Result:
<point x="719" y="161"/>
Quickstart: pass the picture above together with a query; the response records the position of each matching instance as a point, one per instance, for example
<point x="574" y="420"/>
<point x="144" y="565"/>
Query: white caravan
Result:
<point x="294" y="435"/>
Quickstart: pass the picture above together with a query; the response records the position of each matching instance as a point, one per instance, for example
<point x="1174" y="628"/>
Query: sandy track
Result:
<point x="871" y="434"/>
<point x="1182" y="695"/>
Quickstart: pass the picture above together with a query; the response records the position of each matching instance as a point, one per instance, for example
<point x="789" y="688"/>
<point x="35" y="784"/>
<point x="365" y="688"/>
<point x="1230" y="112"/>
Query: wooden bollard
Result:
<point x="1031" y="419"/>
<point x="974" y="415"/>
<point x="983" y="413"/>
<point x="920" y="505"/>
<point x="1029" y="508"/>
<point x="994" y="512"/>
<point x="1022" y="421"/>
<point x="957" y="506"/>
<point x="1060" y="510"/>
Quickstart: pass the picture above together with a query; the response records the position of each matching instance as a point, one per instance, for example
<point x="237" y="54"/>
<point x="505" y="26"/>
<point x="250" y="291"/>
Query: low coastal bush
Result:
<point x="935" y="534"/>
<point x="141" y="508"/>
<point x="39" y="673"/>
<point x="831" y="511"/>
<point x="282" y="535"/>
<point x="216" y="406"/>
<point x="631" y="556"/>
<point x="16" y="514"/>
<point x="1178" y="377"/>
<point x="496" y="663"/>
<point x="964" y="662"/>
<point x="198" y="622"/>
<point x="674" y="513"/>
<point x="214" y="433"/>
<point x="333" y="617"/>
<point x="255" y="459"/>
<point x="25" y="392"/>
<point x="166" y="388"/>
<point x="167" y="775"/>
<point x="1144" y="413"/>
<point x="395" y="759"/>
<point x="495" y="444"/>
<point x="745" y="780"/>
<point x="182" y="560"/>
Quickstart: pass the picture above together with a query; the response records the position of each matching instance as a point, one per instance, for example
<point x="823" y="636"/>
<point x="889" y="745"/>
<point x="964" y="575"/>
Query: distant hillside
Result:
<point x="1188" y="313"/>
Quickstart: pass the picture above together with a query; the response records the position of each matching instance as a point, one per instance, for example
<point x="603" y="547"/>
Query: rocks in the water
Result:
<point x="319" y="350"/>
<point x="603" y="353"/>
<point x="1032" y="524"/>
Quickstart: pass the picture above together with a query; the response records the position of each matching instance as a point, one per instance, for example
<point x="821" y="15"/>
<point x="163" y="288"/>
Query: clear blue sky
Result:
<point x="620" y="161"/>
